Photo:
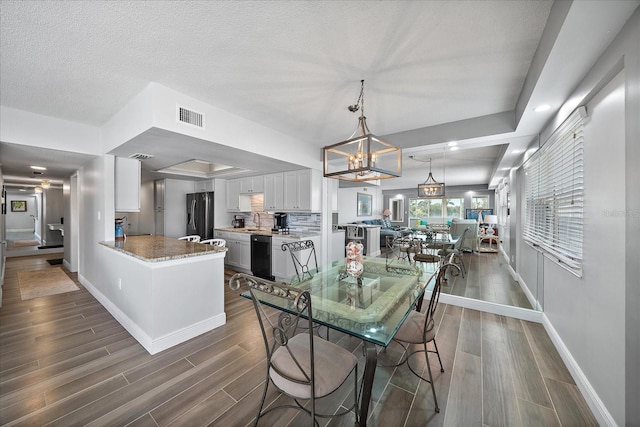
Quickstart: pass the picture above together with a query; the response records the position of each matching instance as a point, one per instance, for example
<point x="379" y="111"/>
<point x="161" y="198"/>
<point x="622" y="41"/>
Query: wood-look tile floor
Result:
<point x="65" y="361"/>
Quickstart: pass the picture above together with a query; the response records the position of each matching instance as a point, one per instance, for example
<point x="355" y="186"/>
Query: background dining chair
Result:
<point x="214" y="242"/>
<point x="303" y="255"/>
<point x="192" y="238"/>
<point x="299" y="364"/>
<point x="420" y="329"/>
<point x="456" y="254"/>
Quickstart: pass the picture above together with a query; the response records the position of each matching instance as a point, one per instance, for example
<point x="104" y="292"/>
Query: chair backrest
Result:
<point x="277" y="331"/>
<point x="214" y="242"/>
<point x="192" y="238"/>
<point x="460" y="243"/>
<point x="303" y="255"/>
<point x="429" y="323"/>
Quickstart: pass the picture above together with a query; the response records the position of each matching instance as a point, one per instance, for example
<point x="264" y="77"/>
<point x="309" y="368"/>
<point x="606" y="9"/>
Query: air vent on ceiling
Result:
<point x="140" y="156"/>
<point x="190" y="117"/>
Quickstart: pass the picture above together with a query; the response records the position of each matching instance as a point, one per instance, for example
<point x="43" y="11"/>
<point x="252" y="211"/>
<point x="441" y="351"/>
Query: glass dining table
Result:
<point x="371" y="307"/>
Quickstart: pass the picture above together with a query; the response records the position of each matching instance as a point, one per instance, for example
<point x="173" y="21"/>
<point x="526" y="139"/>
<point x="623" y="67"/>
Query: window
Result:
<point x="435" y="211"/>
<point x="480" y="202"/>
<point x="554" y="195"/>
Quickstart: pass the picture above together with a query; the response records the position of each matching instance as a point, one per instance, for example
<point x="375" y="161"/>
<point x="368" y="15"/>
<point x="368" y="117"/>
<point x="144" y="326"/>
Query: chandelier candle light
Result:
<point x="364" y="156"/>
<point x="431" y="188"/>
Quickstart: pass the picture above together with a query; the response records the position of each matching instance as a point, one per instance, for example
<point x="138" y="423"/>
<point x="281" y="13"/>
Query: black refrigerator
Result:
<point x="200" y="215"/>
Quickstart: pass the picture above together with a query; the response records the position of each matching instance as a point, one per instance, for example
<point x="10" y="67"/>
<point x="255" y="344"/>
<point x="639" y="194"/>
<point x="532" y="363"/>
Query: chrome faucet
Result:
<point x="254" y="218"/>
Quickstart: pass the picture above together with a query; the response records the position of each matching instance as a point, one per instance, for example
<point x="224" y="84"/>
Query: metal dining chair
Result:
<point x="303" y="255"/>
<point x="299" y="364"/>
<point x="420" y="329"/>
<point x="455" y="255"/>
<point x="193" y="238"/>
<point x="214" y="242"/>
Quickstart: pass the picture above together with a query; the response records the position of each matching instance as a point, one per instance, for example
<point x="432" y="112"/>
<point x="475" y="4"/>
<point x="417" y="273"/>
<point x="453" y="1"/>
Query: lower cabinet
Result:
<point x="238" y="249"/>
<point x="281" y="262"/>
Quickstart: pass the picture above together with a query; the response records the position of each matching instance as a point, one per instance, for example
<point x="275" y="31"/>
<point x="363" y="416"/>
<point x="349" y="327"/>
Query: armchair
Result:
<point x="470" y="241"/>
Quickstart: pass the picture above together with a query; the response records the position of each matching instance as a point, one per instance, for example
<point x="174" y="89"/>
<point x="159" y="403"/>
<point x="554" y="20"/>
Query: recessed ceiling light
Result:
<point x="38" y="168"/>
<point x="452" y="143"/>
<point x="454" y="148"/>
<point x="541" y="108"/>
<point x="22" y="189"/>
<point x="517" y="151"/>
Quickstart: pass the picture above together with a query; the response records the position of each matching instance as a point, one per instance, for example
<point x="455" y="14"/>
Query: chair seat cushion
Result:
<point x="332" y="366"/>
<point x="412" y="330"/>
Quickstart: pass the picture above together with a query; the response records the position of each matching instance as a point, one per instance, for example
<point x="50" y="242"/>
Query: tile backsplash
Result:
<point x="300" y="222"/>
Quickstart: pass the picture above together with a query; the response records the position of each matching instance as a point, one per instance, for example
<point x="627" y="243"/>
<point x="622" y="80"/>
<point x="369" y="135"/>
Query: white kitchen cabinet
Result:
<point x="302" y="190"/>
<point x="274" y="192"/>
<point x="238" y="249"/>
<point x="237" y="202"/>
<point x="252" y="184"/>
<point x="203" y="186"/>
<point x="233" y="195"/>
<point x="127" y="185"/>
<point x="282" y="267"/>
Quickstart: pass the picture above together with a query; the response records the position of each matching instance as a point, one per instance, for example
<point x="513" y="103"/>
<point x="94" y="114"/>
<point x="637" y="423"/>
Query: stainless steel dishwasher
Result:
<point x="261" y="256"/>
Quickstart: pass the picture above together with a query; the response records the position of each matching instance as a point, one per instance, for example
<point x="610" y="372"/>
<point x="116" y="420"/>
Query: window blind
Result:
<point x="554" y="194"/>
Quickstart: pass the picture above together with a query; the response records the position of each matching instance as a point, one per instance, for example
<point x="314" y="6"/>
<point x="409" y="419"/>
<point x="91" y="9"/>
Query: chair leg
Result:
<point x="438" y="353"/>
<point x="433" y="388"/>
<point x="264" y="397"/>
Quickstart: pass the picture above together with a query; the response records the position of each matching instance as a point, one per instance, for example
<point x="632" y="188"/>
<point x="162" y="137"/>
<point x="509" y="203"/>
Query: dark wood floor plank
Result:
<point x="570" y="406"/>
<point x="464" y="407"/>
<point x="470" y="333"/>
<point x="536" y="415"/>
<point x="528" y="381"/>
<point x="549" y="361"/>
<point x="59" y="409"/>
<point x="67" y="361"/>
<point x="499" y="403"/>
<point x="393" y="407"/>
<point x="98" y="412"/>
<point x="207" y="411"/>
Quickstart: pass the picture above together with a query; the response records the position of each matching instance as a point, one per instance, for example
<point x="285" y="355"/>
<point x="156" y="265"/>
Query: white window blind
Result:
<point x="554" y="194"/>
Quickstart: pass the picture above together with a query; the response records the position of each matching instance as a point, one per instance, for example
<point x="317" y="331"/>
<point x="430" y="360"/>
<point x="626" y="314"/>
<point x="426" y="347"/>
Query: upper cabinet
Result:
<point x="302" y="190"/>
<point x="273" y="192"/>
<point x="127" y="185"/>
<point x="203" y="186"/>
<point x="235" y="202"/>
<point x="252" y="184"/>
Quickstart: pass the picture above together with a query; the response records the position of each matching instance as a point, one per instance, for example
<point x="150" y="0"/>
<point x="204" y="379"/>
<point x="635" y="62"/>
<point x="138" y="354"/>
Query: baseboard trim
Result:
<point x="492" y="307"/>
<point x="593" y="400"/>
<point x="159" y="344"/>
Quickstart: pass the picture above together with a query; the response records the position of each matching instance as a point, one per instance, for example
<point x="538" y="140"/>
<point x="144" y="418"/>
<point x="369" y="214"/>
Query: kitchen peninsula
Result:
<point x="163" y="291"/>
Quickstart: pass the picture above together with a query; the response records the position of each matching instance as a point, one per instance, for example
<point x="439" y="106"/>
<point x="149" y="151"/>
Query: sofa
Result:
<point x="457" y="228"/>
<point x="386" y="229"/>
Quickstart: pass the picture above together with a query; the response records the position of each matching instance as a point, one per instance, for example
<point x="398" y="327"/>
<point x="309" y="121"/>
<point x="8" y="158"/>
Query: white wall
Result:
<point x="588" y="313"/>
<point x="347" y="204"/>
<point x="21" y="221"/>
<point x="96" y="218"/>
<point x="22" y="127"/>
<point x="175" y="206"/>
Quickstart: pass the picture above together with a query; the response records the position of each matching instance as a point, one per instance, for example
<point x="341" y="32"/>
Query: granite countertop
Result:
<point x="160" y="248"/>
<point x="268" y="232"/>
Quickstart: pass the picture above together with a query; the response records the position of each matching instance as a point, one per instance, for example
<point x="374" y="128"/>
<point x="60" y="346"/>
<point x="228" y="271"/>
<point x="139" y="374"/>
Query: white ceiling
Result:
<point x="434" y="70"/>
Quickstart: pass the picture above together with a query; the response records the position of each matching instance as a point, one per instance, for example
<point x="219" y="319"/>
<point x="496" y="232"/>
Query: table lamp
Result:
<point x="491" y="220"/>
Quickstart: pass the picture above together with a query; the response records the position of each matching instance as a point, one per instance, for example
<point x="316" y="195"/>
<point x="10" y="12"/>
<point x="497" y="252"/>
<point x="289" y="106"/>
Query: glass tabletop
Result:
<point x="371" y="307"/>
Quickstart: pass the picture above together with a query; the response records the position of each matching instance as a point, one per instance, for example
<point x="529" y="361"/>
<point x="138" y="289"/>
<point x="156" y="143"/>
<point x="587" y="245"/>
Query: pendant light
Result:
<point x="363" y="156"/>
<point x="431" y="188"/>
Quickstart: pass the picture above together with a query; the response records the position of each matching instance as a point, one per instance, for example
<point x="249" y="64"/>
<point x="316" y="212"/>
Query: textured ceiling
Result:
<point x="295" y="66"/>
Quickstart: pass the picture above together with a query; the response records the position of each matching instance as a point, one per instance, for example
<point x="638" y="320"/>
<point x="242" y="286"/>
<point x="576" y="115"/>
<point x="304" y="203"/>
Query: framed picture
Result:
<point x="364" y="204"/>
<point x="18" y="206"/>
